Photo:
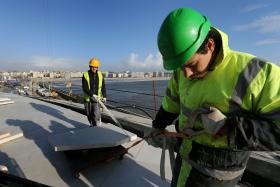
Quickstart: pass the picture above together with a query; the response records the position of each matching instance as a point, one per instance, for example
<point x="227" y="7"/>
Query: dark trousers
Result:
<point x="93" y="113"/>
<point x="197" y="179"/>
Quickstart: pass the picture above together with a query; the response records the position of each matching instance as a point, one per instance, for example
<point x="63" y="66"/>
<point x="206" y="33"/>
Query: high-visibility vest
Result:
<point x="100" y="81"/>
<point x="238" y="82"/>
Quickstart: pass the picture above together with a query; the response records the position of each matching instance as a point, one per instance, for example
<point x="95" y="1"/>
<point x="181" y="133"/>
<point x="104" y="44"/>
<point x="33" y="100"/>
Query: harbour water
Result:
<point x="140" y="96"/>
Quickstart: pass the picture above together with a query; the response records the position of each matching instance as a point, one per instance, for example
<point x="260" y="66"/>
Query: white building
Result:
<point x="76" y="74"/>
<point x="137" y="74"/>
<point x="105" y="74"/>
<point x="112" y="75"/>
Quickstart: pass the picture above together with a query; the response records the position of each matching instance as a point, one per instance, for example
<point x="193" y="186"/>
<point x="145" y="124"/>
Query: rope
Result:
<point x="165" y="133"/>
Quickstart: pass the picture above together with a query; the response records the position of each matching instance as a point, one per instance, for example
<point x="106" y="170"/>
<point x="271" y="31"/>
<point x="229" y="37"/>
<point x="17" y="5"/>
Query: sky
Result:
<point x="122" y="34"/>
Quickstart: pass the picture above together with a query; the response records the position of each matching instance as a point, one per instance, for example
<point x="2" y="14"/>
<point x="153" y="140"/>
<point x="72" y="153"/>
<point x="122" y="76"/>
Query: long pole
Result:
<point x="109" y="113"/>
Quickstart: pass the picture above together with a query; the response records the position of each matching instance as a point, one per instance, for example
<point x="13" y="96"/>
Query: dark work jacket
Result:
<point x="93" y="77"/>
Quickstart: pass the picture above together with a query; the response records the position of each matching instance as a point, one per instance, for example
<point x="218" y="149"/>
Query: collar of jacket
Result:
<point x="224" y="50"/>
<point x="89" y="71"/>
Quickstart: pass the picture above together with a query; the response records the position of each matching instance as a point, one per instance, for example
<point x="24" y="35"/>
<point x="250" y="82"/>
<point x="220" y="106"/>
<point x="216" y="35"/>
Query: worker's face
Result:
<point x="93" y="69"/>
<point x="197" y="65"/>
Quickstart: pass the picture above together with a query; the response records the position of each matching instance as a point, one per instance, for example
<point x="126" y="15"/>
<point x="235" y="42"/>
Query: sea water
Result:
<point x="140" y="96"/>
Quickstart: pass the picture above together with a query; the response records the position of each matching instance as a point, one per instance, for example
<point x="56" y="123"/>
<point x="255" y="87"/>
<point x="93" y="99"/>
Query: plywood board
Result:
<point x="4" y="99"/>
<point x="106" y="135"/>
<point x="6" y="102"/>
<point x="4" y="134"/>
<point x="10" y="138"/>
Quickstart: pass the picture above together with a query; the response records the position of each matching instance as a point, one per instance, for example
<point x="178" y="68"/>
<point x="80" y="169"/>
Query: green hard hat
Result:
<point x="180" y="36"/>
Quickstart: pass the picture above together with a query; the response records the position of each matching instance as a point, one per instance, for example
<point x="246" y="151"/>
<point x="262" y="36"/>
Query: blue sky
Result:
<point x="65" y="34"/>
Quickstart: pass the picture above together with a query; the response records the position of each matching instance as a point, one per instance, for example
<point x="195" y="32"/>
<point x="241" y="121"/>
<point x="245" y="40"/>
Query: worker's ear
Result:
<point x="211" y="45"/>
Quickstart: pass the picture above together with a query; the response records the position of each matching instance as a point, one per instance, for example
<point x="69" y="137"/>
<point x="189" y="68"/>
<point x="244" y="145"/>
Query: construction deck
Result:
<point x="32" y="157"/>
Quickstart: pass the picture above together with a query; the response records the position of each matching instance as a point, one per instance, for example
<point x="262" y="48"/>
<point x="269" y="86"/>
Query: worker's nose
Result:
<point x="187" y="72"/>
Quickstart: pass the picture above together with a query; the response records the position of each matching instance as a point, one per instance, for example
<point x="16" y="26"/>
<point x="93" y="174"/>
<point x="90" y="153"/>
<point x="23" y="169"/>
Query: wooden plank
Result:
<point x="6" y="102"/>
<point x="4" y="134"/>
<point x="10" y="138"/>
<point x="4" y="99"/>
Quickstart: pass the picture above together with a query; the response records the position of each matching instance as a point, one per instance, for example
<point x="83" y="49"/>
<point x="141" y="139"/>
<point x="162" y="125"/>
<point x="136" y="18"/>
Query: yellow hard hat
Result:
<point x="94" y="62"/>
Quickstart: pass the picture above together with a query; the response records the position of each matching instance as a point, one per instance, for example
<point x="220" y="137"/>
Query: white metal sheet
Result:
<point x="106" y="135"/>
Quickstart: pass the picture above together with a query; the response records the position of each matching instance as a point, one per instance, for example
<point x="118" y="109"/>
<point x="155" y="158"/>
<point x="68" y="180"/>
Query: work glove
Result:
<point x="156" y="138"/>
<point x="212" y="121"/>
<point x="94" y="98"/>
<point x="103" y="100"/>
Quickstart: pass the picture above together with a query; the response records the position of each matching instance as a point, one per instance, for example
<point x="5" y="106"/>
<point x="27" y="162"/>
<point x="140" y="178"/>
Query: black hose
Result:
<point x="131" y="105"/>
<point x="141" y="93"/>
<point x="140" y="108"/>
<point x="134" y="106"/>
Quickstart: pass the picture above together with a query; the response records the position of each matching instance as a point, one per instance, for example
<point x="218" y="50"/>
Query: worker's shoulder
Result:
<point x="240" y="57"/>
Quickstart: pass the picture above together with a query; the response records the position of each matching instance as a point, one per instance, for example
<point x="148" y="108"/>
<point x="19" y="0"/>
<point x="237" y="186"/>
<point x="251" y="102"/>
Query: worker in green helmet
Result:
<point x="226" y="102"/>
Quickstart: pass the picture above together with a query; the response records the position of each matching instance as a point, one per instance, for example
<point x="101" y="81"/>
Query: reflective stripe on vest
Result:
<point x="244" y="80"/>
<point x="173" y="98"/>
<point x="100" y="82"/>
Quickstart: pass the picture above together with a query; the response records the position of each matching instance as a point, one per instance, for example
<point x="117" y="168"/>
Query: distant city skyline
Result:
<point x="7" y="76"/>
<point x="64" y="35"/>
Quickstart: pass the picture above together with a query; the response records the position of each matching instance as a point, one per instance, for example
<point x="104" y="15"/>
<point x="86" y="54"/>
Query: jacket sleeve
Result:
<point x="103" y="89"/>
<point x="259" y="129"/>
<point x="85" y="87"/>
<point x="163" y="119"/>
<point x="170" y="107"/>
<point x="246" y="133"/>
<point x="171" y="100"/>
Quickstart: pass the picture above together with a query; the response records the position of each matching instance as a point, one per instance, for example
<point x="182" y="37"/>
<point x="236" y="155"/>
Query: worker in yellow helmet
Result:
<point x="93" y="84"/>
<point x="227" y="102"/>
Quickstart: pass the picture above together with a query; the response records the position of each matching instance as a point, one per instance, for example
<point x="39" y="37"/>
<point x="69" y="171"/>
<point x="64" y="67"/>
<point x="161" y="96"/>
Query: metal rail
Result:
<point x="142" y="109"/>
<point x="140" y="93"/>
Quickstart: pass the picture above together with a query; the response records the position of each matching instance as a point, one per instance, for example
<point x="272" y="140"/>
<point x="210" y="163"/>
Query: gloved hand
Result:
<point x="94" y="98"/>
<point x="212" y="120"/>
<point x="103" y="100"/>
<point x="156" y="138"/>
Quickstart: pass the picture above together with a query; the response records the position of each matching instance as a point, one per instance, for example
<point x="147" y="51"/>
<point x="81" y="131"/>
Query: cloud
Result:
<point x="51" y="63"/>
<point x="266" y="24"/>
<point x="41" y="63"/>
<point x="150" y="63"/>
<point x="267" y="42"/>
<point x="253" y="7"/>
